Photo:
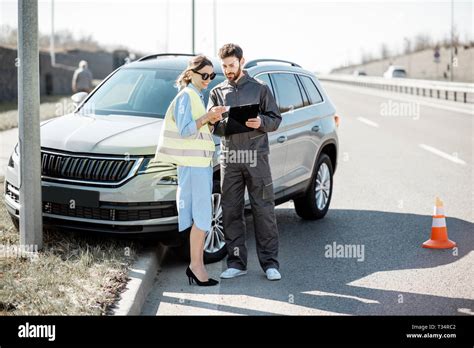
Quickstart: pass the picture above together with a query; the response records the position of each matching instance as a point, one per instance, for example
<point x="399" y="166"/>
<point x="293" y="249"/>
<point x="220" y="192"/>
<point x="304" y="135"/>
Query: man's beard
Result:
<point x="232" y="77"/>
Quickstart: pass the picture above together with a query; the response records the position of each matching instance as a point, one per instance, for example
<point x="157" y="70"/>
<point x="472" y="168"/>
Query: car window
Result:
<point x="266" y="78"/>
<point x="138" y="92"/>
<point x="288" y="92"/>
<point x="314" y="95"/>
<point x="303" y="93"/>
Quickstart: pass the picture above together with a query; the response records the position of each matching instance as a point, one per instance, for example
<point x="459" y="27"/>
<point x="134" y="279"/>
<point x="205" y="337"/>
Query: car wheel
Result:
<point x="214" y="242"/>
<point x="315" y="204"/>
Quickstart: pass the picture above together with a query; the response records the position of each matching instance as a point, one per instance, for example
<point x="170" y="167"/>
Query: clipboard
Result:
<point x="238" y="115"/>
<point x="243" y="112"/>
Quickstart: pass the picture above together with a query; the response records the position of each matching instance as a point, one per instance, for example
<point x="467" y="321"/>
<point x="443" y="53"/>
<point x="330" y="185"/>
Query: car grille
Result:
<point x="112" y="211"/>
<point x="85" y="168"/>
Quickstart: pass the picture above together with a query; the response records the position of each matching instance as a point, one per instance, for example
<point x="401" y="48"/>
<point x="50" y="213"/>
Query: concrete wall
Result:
<point x="53" y="80"/>
<point x="421" y="65"/>
<point x="100" y="63"/>
<point x="8" y="74"/>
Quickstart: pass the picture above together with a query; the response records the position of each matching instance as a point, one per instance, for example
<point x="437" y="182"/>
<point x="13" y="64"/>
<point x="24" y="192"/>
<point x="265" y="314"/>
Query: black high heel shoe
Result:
<point x="192" y="277"/>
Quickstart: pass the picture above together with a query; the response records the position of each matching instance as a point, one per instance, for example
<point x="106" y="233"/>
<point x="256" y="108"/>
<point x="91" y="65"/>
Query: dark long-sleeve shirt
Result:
<point x="246" y="91"/>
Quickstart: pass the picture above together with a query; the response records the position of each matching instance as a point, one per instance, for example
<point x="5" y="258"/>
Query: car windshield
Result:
<point x="138" y="92"/>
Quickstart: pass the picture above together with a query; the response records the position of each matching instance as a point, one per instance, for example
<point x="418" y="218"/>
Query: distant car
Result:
<point x="395" y="72"/>
<point x="359" y="73"/>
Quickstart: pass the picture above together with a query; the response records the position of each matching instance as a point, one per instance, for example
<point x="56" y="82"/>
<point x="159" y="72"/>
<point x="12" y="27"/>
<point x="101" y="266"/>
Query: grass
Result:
<point x="74" y="274"/>
<point x="51" y="106"/>
<point x="44" y="99"/>
<point x="7" y="106"/>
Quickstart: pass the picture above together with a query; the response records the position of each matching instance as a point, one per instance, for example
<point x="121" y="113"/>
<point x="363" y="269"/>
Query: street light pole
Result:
<point x="214" y="10"/>
<point x="452" y="39"/>
<point x="167" y="23"/>
<point x="51" y="41"/>
<point x="31" y="220"/>
<point x="193" y="27"/>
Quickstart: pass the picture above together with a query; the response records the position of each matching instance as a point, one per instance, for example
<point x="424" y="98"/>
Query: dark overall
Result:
<point x="256" y="176"/>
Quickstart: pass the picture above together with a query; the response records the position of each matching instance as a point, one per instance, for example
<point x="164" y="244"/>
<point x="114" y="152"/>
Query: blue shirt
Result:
<point x="183" y="115"/>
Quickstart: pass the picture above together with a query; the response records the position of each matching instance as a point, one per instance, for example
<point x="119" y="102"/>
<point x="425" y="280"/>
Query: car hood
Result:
<point x="112" y="134"/>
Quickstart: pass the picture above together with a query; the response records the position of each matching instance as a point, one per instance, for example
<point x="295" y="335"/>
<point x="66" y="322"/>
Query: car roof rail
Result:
<point x="156" y="55"/>
<point x="255" y="62"/>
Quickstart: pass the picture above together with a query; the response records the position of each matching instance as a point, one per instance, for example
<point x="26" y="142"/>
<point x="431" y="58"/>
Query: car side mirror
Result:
<point x="77" y="98"/>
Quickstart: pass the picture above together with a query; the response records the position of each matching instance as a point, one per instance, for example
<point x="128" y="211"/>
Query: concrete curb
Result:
<point x="142" y="276"/>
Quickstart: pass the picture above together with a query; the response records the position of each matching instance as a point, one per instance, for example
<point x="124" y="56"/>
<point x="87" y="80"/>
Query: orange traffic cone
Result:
<point x="439" y="231"/>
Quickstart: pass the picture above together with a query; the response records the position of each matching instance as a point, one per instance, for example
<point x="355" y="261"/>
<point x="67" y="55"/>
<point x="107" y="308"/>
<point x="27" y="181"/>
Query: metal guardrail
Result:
<point x="456" y="91"/>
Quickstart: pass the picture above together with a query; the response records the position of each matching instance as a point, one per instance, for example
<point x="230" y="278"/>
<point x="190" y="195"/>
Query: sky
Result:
<point x="319" y="35"/>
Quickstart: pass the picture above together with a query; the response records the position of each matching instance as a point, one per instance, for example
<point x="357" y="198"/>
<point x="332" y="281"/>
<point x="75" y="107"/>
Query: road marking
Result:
<point x="368" y="122"/>
<point x="248" y="303"/>
<point x="179" y="309"/>
<point x="426" y="282"/>
<point x="323" y="293"/>
<point x="442" y="154"/>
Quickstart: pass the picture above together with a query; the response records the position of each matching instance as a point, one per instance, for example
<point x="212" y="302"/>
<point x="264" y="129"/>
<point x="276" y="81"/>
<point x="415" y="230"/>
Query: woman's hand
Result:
<point x="215" y="114"/>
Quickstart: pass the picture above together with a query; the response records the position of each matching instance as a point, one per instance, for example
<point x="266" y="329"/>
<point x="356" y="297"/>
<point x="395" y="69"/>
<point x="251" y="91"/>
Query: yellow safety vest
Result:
<point x="193" y="151"/>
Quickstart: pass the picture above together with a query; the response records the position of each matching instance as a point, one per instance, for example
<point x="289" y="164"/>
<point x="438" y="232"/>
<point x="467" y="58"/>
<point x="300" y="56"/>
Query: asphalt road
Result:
<point x="391" y="168"/>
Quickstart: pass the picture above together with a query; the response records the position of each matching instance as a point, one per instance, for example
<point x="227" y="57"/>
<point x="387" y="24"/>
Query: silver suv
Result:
<point x="96" y="163"/>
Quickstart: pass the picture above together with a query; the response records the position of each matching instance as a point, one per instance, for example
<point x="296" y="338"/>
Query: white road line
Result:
<point x="368" y="122"/>
<point x="323" y="293"/>
<point x="442" y="154"/>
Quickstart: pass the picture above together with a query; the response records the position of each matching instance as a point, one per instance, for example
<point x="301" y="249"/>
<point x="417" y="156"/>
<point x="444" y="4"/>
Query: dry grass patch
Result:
<point x="74" y="274"/>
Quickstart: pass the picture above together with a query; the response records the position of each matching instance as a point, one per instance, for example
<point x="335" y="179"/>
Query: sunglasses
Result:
<point x="205" y="76"/>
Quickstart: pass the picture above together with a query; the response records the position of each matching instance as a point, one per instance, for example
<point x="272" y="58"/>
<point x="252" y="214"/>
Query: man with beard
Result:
<point x="241" y="89"/>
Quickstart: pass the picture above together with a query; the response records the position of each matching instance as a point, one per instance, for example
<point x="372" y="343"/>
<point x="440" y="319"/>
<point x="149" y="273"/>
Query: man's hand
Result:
<point x="254" y="122"/>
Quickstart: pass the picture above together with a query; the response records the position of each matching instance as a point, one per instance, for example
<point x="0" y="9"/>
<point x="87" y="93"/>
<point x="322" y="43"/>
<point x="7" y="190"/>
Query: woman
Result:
<point x="186" y="141"/>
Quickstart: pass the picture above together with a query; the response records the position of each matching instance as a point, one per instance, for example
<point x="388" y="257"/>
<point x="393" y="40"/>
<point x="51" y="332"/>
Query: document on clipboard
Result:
<point x="238" y="115"/>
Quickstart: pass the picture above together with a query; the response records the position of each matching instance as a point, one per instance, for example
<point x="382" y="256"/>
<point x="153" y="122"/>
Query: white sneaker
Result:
<point x="232" y="273"/>
<point x="273" y="274"/>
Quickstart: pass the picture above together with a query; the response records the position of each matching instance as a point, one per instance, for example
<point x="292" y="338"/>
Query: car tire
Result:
<point x="215" y="249"/>
<point x="315" y="203"/>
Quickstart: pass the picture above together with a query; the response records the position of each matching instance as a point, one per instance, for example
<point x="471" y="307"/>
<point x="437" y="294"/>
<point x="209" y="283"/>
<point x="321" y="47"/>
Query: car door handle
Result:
<point x="315" y="128"/>
<point x="282" y="139"/>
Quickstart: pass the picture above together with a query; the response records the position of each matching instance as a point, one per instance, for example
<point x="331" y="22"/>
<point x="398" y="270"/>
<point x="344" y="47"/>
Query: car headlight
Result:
<point x="168" y="180"/>
<point x="10" y="160"/>
<point x="168" y="170"/>
<point x="17" y="149"/>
